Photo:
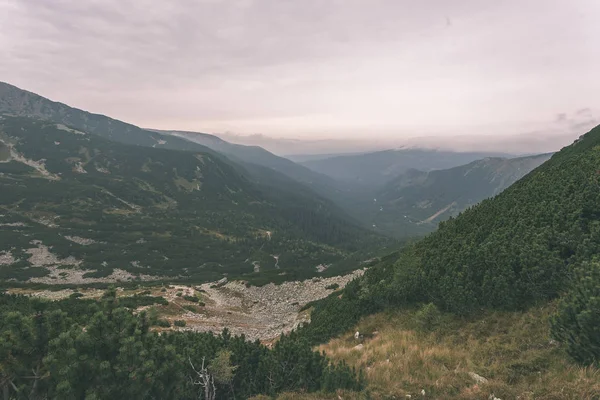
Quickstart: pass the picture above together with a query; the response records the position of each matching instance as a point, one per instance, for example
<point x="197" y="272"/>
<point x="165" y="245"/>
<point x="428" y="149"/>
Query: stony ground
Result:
<point x="257" y="312"/>
<point x="260" y="312"/>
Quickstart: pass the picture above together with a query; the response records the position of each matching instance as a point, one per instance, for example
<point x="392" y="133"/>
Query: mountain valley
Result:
<point x="181" y="235"/>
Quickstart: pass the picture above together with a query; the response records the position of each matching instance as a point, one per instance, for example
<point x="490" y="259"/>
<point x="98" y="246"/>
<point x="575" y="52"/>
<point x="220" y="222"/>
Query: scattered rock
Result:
<point x="70" y="130"/>
<point x="478" y="378"/>
<point x="80" y="240"/>
<point x="79" y="168"/>
<point x="260" y="312"/>
<point x="49" y="222"/>
<point x="322" y="267"/>
<point x="6" y="258"/>
<point x="41" y="256"/>
<point x="222" y="281"/>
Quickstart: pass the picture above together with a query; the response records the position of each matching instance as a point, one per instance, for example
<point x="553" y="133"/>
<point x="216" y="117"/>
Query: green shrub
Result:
<point x="179" y="322"/>
<point x="76" y="295"/>
<point x="163" y="323"/>
<point x="333" y="286"/>
<point x="193" y="299"/>
<point x="179" y="294"/>
<point x="428" y="317"/>
<point x="577" y="322"/>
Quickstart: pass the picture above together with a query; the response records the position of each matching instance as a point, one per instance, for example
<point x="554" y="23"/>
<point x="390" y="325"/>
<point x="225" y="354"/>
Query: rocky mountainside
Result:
<point x="416" y="201"/>
<point x="76" y="206"/>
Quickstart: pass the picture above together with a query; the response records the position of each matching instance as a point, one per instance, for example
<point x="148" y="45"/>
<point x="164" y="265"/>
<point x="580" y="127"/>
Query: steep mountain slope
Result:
<point x="416" y="201"/>
<point x="378" y="168"/>
<point x="73" y="203"/>
<point x="18" y="102"/>
<point x="320" y="183"/>
<point x="508" y="252"/>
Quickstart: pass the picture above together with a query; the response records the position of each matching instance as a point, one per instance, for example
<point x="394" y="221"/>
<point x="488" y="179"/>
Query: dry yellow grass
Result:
<point x="512" y="351"/>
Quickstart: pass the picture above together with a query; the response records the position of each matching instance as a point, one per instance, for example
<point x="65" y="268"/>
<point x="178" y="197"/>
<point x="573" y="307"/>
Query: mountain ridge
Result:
<point x="375" y="169"/>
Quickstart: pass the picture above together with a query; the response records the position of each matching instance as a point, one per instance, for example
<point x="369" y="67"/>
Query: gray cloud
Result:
<point x="385" y="69"/>
<point x="585" y="124"/>
<point x="584" y="111"/>
<point x="561" y="117"/>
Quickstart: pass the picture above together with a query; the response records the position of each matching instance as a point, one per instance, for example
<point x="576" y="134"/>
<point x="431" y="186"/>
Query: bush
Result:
<point x="76" y="295"/>
<point x="193" y="299"/>
<point x="179" y="322"/>
<point x="178" y="294"/>
<point x="428" y="317"/>
<point x="333" y="286"/>
<point x="577" y="322"/>
<point x="163" y="323"/>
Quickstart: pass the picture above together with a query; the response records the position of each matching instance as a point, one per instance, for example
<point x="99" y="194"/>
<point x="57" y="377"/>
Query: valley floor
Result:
<point x="498" y="355"/>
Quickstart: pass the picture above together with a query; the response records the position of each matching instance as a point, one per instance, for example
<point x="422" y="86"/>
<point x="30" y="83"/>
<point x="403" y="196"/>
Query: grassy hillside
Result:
<point x="103" y="206"/>
<point x="511" y="354"/>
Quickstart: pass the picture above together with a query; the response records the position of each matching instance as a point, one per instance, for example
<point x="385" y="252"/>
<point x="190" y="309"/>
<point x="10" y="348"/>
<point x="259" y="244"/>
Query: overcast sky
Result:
<point x="362" y="69"/>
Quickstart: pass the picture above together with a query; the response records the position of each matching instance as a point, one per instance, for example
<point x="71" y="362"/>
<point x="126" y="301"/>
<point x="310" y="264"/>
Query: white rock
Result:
<point x="478" y="378"/>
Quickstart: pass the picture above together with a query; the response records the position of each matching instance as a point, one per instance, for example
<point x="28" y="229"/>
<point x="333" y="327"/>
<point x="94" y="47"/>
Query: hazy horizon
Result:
<point x="344" y="75"/>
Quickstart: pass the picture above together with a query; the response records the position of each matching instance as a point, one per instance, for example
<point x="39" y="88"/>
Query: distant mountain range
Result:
<point x="378" y="168"/>
<point x="417" y="200"/>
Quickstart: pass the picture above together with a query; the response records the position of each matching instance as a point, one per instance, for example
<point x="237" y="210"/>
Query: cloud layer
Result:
<point x="385" y="69"/>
